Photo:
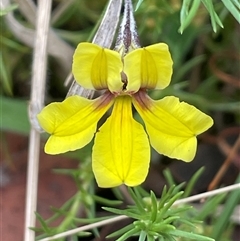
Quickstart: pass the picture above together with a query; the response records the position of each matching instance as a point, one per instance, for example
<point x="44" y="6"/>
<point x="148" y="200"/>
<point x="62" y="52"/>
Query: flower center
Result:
<point x="124" y="80"/>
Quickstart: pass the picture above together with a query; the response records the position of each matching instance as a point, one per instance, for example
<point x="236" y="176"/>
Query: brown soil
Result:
<point x="54" y="189"/>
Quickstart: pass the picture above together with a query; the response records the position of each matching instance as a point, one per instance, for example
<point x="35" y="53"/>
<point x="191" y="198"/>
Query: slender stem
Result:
<point x="208" y="194"/>
<point x="122" y="217"/>
<point x="86" y="227"/>
<point x="36" y="102"/>
<point x="225" y="165"/>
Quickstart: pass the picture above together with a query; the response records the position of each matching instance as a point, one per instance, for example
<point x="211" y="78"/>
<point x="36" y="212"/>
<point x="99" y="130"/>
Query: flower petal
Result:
<point x="149" y="67"/>
<point x="97" y="68"/>
<point x="121" y="152"/>
<point x="72" y="123"/>
<point x="172" y="126"/>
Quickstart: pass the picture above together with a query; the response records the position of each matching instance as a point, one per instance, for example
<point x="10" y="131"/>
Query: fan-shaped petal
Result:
<point x="97" y="68"/>
<point x="72" y="123"/>
<point x="149" y="67"/>
<point x="172" y="126"/>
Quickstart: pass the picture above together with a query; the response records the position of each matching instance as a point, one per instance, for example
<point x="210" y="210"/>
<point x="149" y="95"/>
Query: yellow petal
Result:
<point x="149" y="67"/>
<point x="72" y="123"/>
<point x="121" y="152"/>
<point x="97" y="68"/>
<point x="172" y="126"/>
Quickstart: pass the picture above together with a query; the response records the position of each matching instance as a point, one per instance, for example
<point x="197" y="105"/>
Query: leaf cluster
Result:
<point x="153" y="218"/>
<point x="190" y="8"/>
<point x="156" y="219"/>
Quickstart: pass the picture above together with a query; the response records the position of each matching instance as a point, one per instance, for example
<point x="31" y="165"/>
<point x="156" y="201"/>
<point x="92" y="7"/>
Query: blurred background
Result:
<point x="206" y="74"/>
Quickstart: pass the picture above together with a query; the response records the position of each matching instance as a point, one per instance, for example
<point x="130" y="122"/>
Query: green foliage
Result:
<point x="138" y="4"/>
<point x="209" y="222"/>
<point x="158" y="20"/>
<point x="223" y="223"/>
<point x="186" y="26"/>
<point x="153" y="218"/>
<point x="8" y="9"/>
<point x="10" y="109"/>
<point x="233" y="7"/>
<point x="156" y="219"/>
<point x="5" y="76"/>
<point x="190" y="8"/>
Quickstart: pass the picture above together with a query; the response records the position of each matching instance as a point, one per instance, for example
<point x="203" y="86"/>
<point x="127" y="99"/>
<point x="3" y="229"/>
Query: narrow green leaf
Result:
<point x="168" y="238"/>
<point x="10" y="108"/>
<point x="44" y="225"/>
<point x="128" y="234"/>
<point x="168" y="176"/>
<point x="164" y="191"/>
<point x="123" y="212"/>
<point x="237" y="3"/>
<point x="179" y="209"/>
<point x="106" y="201"/>
<point x="207" y="104"/>
<point x="154" y="207"/>
<point x="138" y="4"/>
<point x="81" y="234"/>
<point x="167" y="205"/>
<point x="187" y="66"/>
<point x="8" y="9"/>
<point x="213" y="15"/>
<point x="163" y="228"/>
<point x="184" y="10"/>
<point x="70" y="172"/>
<point x="184" y="234"/>
<point x="142" y="192"/>
<point x="151" y="235"/>
<point x="228" y="107"/>
<point x="121" y="231"/>
<point x="59" y="211"/>
<point x="6" y="79"/>
<point x="117" y="193"/>
<point x="72" y="212"/>
<point x="165" y="196"/>
<point x="192" y="182"/>
<point x="137" y="199"/>
<point x="13" y="44"/>
<point x="189" y="223"/>
<point x="223" y="222"/>
<point x="210" y="206"/>
<point x="142" y="236"/>
<point x="234" y="10"/>
<point x="179" y="188"/>
<point x="188" y="16"/>
<point x="36" y="229"/>
<point x="170" y="219"/>
<point x="172" y="200"/>
<point x="161" y="238"/>
<point x="209" y="7"/>
<point x="218" y="20"/>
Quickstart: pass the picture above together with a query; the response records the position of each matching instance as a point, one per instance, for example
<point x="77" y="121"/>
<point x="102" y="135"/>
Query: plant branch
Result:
<point x="36" y="102"/>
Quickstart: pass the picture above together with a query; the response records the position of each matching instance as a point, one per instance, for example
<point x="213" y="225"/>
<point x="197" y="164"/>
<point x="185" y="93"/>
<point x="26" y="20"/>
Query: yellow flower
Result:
<point x="121" y="151"/>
